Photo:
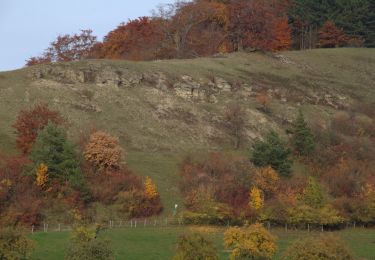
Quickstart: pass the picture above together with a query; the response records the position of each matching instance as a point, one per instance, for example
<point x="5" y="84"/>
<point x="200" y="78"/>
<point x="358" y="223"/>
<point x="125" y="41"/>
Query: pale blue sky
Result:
<point x="28" y="26"/>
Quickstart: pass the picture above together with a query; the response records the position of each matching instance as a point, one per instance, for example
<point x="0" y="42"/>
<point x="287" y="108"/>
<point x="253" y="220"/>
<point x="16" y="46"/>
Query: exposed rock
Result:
<point x="222" y="84"/>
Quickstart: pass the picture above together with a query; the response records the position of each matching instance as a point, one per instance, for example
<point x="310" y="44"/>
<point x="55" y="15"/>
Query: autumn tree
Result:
<point x="258" y="24"/>
<point x="41" y="175"/>
<point x="283" y="35"/>
<point x="235" y="120"/>
<point x="103" y="151"/>
<point x="195" y="28"/>
<point x="29" y="122"/>
<point x="330" y="36"/>
<point x="302" y="137"/>
<point x="267" y="179"/>
<point x="323" y="247"/>
<point x="150" y="189"/>
<point x="66" y="48"/>
<point x="138" y="39"/>
<point x="253" y="242"/>
<point x="256" y="199"/>
<point x="273" y="152"/>
<point x="195" y="247"/>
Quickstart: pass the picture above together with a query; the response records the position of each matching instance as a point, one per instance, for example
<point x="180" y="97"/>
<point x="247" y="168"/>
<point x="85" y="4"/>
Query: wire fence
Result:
<point x="173" y="222"/>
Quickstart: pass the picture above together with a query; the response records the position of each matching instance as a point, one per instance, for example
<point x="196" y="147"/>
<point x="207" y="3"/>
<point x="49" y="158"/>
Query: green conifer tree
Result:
<point x="273" y="151"/>
<point x="302" y="139"/>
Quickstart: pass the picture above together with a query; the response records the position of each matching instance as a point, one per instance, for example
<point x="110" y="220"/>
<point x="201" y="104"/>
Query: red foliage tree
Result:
<point x="330" y="36"/>
<point x="138" y="39"/>
<point x="67" y="48"/>
<point x="257" y="24"/>
<point x="29" y="122"/>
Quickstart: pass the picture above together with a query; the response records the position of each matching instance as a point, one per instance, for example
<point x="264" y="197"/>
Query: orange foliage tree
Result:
<point x="103" y="151"/>
<point x="29" y="122"/>
<point x="330" y="36"/>
<point x="138" y="39"/>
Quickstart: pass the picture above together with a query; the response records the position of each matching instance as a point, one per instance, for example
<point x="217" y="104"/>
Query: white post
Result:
<point x="135" y="225"/>
<point x="59" y="227"/>
<point x="32" y="229"/>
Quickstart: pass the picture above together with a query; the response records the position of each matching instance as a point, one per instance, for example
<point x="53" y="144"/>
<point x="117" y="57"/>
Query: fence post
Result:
<point x="308" y="227"/>
<point x="145" y="222"/>
<point x="135" y="225"/>
<point x="286" y="226"/>
<point x="32" y="229"/>
<point x="59" y="227"/>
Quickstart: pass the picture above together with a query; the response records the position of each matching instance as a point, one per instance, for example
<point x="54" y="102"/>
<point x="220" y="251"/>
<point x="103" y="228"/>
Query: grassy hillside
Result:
<point x="157" y="122"/>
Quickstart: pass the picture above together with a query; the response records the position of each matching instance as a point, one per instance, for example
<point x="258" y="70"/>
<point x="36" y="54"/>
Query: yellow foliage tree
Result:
<point x="150" y="189"/>
<point x="267" y="179"/>
<point x="256" y="198"/>
<point x="42" y="175"/>
<point x="253" y="242"/>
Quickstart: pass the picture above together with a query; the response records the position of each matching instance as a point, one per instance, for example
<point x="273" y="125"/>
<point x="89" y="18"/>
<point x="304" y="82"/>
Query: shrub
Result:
<point x="253" y="242"/>
<point x="195" y="247"/>
<point x="103" y="151"/>
<point x="14" y="245"/>
<point x="321" y="247"/>
<point x="85" y="244"/>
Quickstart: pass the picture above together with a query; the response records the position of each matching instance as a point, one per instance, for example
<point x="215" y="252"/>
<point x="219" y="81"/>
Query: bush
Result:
<point x="195" y="247"/>
<point x="253" y="242"/>
<point x="217" y="218"/>
<point x="318" y="248"/>
<point x="85" y="245"/>
<point x="14" y="245"/>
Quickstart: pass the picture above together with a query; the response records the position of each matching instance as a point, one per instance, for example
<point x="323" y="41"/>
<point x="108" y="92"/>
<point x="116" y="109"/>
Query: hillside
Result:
<point x="162" y="110"/>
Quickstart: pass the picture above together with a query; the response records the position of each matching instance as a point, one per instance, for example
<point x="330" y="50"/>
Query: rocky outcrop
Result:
<point x="184" y="86"/>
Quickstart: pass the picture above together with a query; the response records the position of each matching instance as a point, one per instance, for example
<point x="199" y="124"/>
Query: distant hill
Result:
<point x="161" y="110"/>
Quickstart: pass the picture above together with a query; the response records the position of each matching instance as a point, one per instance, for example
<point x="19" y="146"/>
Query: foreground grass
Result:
<point x="159" y="243"/>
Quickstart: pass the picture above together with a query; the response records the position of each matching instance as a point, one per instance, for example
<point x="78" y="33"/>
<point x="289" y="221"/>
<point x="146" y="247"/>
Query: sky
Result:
<point x="28" y="26"/>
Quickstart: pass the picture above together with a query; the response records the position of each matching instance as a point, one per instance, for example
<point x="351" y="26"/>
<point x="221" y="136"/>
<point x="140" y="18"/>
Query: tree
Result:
<point x="52" y="149"/>
<point x="330" y="36"/>
<point x="14" y="244"/>
<point x="323" y="247"/>
<point x="256" y="199"/>
<point x="195" y="28"/>
<point x="41" y="175"/>
<point x="272" y="152"/>
<point x="313" y="194"/>
<point x="150" y="189"/>
<point x="253" y="242"/>
<point x="302" y="137"/>
<point x="85" y="244"/>
<point x="235" y="119"/>
<point x="267" y="179"/>
<point x="195" y="247"/>
<point x="283" y="36"/>
<point x="103" y="151"/>
<point x="138" y="39"/>
<point x="29" y="122"/>
<point x="66" y="48"/>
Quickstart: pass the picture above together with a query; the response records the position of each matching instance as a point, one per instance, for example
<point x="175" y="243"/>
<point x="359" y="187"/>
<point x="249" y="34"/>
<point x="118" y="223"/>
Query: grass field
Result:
<point x="159" y="243"/>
